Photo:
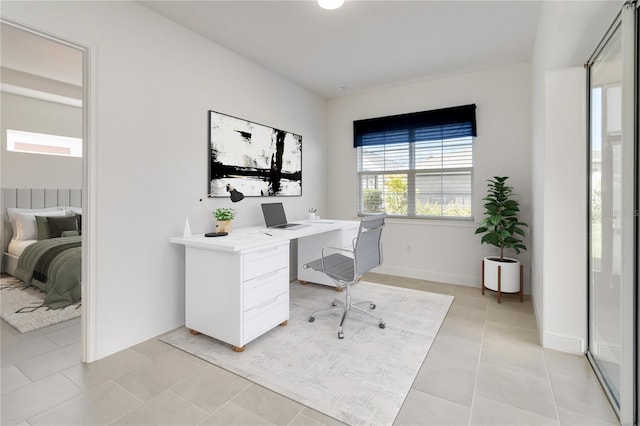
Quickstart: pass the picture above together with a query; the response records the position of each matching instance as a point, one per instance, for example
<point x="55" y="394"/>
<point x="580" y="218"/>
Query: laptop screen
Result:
<point x="273" y="214"/>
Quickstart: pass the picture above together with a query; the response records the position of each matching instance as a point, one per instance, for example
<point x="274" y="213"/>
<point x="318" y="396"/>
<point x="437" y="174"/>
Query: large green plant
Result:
<point x="501" y="227"/>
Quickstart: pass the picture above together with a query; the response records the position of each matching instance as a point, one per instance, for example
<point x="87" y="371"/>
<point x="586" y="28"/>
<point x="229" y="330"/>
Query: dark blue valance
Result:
<point x="438" y="124"/>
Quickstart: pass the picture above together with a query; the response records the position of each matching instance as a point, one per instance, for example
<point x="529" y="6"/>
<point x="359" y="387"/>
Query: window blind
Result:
<point x="439" y="124"/>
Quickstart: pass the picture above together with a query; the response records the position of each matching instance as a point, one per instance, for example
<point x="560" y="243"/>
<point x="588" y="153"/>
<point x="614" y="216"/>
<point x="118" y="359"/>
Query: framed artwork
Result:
<point x="257" y="160"/>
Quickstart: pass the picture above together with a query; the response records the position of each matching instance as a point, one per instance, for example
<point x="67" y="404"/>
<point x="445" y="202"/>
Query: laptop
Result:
<point x="274" y="217"/>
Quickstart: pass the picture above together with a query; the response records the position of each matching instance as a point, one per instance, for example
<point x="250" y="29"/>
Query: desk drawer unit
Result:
<point x="236" y="297"/>
<point x="266" y="294"/>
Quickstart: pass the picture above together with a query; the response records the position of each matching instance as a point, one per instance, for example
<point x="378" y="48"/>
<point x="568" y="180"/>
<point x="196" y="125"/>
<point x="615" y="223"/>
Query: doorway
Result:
<point x="48" y="71"/>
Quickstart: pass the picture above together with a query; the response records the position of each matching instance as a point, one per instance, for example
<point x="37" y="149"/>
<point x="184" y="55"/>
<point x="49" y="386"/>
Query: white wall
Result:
<point x="22" y="170"/>
<point x="155" y="83"/>
<point x="564" y="207"/>
<point x="443" y="251"/>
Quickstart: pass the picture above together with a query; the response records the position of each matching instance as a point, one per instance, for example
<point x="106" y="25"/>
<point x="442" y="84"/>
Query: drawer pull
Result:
<point x="267" y="303"/>
<point x="267" y="275"/>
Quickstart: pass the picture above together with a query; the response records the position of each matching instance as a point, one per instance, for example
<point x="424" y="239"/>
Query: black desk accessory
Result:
<point x="216" y="234"/>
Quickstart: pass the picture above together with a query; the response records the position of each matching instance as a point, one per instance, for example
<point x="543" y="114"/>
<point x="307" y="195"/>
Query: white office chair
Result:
<point x="346" y="267"/>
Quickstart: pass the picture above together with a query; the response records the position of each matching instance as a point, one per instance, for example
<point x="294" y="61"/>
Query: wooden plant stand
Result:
<point x="499" y="291"/>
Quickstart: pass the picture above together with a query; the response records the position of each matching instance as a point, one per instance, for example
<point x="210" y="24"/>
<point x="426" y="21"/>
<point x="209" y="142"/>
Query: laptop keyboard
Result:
<point x="286" y="225"/>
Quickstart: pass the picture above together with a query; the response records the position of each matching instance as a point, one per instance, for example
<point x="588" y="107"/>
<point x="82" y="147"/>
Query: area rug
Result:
<point x="22" y="307"/>
<point x="362" y="379"/>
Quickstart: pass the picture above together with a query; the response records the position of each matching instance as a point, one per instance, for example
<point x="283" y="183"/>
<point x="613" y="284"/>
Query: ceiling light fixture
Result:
<point x="330" y="4"/>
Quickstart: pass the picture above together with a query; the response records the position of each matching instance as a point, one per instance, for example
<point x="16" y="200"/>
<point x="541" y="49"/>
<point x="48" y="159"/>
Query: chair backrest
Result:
<point x="368" y="248"/>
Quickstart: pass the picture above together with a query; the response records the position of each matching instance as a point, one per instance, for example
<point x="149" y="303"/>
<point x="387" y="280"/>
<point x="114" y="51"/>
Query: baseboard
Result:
<point x="466" y="280"/>
<point x="569" y="344"/>
<point x="538" y="316"/>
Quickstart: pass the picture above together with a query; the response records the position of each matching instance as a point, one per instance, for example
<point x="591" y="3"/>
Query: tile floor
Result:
<point x="485" y="367"/>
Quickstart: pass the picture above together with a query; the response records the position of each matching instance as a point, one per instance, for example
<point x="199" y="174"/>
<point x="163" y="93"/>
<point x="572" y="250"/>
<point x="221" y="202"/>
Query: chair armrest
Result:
<point x="336" y="249"/>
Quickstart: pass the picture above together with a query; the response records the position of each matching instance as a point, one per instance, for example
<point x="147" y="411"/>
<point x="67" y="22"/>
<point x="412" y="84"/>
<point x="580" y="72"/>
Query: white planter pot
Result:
<point x="509" y="274"/>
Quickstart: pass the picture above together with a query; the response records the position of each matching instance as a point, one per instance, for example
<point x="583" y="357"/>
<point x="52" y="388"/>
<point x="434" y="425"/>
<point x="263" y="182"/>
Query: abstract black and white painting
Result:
<point x="256" y="160"/>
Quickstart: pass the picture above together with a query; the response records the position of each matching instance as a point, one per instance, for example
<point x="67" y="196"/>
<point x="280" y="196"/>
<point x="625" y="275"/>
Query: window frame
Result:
<point x="72" y="144"/>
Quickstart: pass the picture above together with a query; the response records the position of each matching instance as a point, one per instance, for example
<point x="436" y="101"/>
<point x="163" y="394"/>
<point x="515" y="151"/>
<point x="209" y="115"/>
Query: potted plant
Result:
<point x="224" y="216"/>
<point x="501" y="228"/>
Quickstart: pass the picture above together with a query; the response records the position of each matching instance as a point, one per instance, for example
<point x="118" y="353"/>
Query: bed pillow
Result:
<point x="12" y="211"/>
<point x="25" y="224"/>
<point x="73" y="209"/>
<point x="70" y="234"/>
<point x="59" y="224"/>
<point x="42" y="227"/>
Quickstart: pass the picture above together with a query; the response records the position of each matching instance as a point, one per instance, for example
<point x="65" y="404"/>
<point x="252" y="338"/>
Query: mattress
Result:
<point x="9" y="263"/>
<point x="10" y="257"/>
<point x="16" y="247"/>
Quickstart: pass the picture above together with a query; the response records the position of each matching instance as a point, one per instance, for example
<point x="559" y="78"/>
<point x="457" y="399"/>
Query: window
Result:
<point x="417" y="165"/>
<point x="40" y="143"/>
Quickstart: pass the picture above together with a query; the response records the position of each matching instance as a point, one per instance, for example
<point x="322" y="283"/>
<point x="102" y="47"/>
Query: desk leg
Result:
<point x="237" y="348"/>
<point x="283" y="323"/>
<point x="194" y="332"/>
<point x="303" y="282"/>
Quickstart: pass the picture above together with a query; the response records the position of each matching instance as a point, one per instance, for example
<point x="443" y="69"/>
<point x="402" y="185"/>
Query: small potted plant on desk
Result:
<point x="224" y="216"/>
<point x="501" y="228"/>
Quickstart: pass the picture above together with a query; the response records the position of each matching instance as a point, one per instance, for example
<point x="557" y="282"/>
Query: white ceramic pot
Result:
<point x="509" y="274"/>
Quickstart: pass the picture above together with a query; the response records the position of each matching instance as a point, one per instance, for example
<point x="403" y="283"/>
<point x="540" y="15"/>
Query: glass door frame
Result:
<point x="626" y="406"/>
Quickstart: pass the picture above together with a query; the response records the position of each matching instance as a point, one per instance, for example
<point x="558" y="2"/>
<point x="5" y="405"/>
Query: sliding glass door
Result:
<point x="612" y="224"/>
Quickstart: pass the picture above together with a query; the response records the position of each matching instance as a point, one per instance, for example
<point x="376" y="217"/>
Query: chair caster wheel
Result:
<point x="311" y="319"/>
<point x="382" y="325"/>
<point x="340" y="335"/>
<point x="372" y="306"/>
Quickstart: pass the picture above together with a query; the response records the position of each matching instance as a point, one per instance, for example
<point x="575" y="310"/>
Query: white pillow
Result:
<point x="26" y="228"/>
<point x="12" y="211"/>
<point x="72" y="209"/>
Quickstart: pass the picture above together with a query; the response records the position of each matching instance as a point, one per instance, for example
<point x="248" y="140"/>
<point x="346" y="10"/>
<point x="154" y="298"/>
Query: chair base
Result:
<point x="347" y="306"/>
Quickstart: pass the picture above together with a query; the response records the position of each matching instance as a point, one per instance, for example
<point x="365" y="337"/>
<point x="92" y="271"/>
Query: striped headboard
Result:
<point x="33" y="198"/>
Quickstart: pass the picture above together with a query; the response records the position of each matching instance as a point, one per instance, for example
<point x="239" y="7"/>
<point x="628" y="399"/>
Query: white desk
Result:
<point x="237" y="286"/>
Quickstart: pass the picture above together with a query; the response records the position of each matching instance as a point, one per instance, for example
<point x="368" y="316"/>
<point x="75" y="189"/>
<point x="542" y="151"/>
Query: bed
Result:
<point x="41" y="241"/>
